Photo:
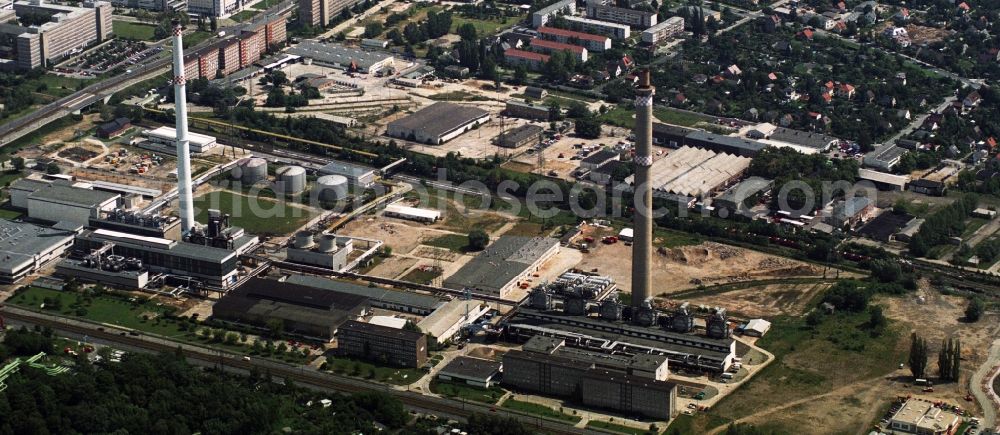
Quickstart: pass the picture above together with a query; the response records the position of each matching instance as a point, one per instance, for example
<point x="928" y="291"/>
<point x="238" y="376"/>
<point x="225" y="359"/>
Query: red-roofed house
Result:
<point x="845" y="90"/>
<point x="806" y="34"/>
<point x="549" y="47"/>
<point x="590" y="41"/>
<point x="531" y="60"/>
<point x="964" y="7"/>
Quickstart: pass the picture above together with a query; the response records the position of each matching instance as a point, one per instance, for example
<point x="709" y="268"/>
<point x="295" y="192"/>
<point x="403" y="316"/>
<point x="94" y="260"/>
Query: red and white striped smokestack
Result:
<point x="642" y="247"/>
<point x="186" y="208"/>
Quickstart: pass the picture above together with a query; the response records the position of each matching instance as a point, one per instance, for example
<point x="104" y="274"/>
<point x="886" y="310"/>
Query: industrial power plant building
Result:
<point x="437" y="123"/>
<point x="60" y="202"/>
<point x="303" y="310"/>
<point x="603" y="335"/>
<point x="212" y="266"/>
<point x="25" y="247"/>
<point x="503" y="265"/>
<point x="329" y="252"/>
<point x="635" y="385"/>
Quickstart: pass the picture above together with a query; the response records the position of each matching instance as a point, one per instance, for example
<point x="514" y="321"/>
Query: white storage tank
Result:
<point x="331" y="187"/>
<point x="291" y="180"/>
<point x="252" y="171"/>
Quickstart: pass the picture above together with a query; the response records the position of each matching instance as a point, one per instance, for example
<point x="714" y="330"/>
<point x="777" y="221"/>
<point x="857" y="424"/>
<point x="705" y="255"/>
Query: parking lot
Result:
<point x="114" y="54"/>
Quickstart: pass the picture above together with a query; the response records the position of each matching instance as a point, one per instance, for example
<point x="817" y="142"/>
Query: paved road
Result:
<point x="982" y="389"/>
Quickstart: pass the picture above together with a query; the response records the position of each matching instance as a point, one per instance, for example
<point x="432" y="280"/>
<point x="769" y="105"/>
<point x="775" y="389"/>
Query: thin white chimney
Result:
<point x="186" y="209"/>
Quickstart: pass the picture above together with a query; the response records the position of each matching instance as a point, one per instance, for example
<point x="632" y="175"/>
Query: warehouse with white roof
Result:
<point x="694" y="172"/>
<point x="167" y="138"/>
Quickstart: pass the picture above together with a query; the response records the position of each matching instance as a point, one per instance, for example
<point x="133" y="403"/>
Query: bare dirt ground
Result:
<point x="393" y="267"/>
<point x="923" y="35"/>
<point x="852" y="407"/>
<point x="687" y="267"/>
<point x="765" y="301"/>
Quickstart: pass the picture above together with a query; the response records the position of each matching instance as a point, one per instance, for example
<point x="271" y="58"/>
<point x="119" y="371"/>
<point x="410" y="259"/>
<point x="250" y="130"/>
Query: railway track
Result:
<point x="303" y="376"/>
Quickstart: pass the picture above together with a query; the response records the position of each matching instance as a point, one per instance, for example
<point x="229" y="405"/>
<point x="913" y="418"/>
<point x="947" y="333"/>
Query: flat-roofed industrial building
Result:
<point x="527" y="134"/>
<point x="303" y="310"/>
<point x="437" y="123"/>
<point x="344" y="58"/>
<point x="477" y="372"/>
<point x="358" y="176"/>
<point x="56" y="202"/>
<point x="379" y="297"/>
<point x="695" y="172"/>
<point x="25" y="247"/>
<point x="502" y="266"/>
<point x="166" y="137"/>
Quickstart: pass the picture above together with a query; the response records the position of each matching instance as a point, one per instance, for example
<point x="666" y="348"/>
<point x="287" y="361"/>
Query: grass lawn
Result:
<point x="677" y="117"/>
<point x="467" y="392"/>
<point x="529" y="229"/>
<point x="687" y="424"/>
<point x="245" y="15"/>
<point x="454" y="242"/>
<point x="363" y="369"/>
<point x="136" y="31"/>
<point x="422" y="276"/>
<point x="619" y="116"/>
<point x="458" y="96"/>
<point x="196" y="38"/>
<point x="256" y="215"/>
<point x="539" y="410"/>
<point x="810" y="361"/>
<point x="8" y="177"/>
<point x="484" y="27"/>
<point x="616" y="427"/>
<point x="10" y="214"/>
<point x="672" y="239"/>
<point x="141" y="315"/>
<point x="971" y="225"/>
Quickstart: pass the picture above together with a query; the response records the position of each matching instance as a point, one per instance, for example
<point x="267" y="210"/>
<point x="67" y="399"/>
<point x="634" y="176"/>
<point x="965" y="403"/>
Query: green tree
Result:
<point x="373" y="29"/>
<point x="468" y="32"/>
<point x="974" y="311"/>
<point x="478" y="239"/>
<point x="52" y="169"/>
<point x="18" y="163"/>
<point x="944" y="359"/>
<point x="876" y="320"/>
<point x="918" y="356"/>
<point x="588" y="128"/>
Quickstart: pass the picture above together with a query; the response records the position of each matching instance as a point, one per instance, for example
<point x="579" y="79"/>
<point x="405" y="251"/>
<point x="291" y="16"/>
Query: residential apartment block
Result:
<point x="319" y="13"/>
<point x="533" y="61"/>
<point x="599" y="10"/>
<point x="612" y="30"/>
<point x="69" y="30"/>
<point x="659" y="33"/>
<point x="591" y="42"/>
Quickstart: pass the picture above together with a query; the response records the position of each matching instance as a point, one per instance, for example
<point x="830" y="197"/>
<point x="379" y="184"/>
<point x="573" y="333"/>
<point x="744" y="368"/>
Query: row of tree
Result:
<point x="949" y="358"/>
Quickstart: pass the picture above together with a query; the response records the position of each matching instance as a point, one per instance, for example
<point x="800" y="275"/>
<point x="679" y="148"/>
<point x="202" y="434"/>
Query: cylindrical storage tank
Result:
<point x="328" y="243"/>
<point x="331" y="187"/>
<point x="252" y="171"/>
<point x="303" y="239"/>
<point x="291" y="180"/>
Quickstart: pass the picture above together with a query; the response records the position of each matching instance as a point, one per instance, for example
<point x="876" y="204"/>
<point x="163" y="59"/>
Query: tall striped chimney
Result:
<point x="186" y="208"/>
<point x="642" y="247"/>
